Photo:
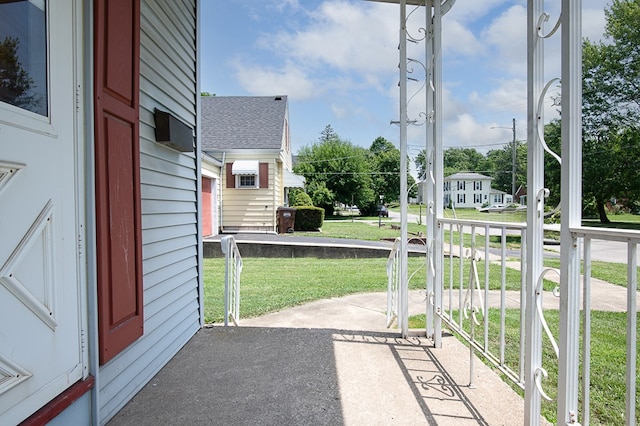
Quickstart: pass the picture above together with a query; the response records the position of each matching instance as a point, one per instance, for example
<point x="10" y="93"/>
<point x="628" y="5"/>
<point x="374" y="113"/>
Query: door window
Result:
<point x="23" y="55"/>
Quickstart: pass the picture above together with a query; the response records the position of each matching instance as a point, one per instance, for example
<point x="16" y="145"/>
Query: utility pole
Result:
<point x="513" y="166"/>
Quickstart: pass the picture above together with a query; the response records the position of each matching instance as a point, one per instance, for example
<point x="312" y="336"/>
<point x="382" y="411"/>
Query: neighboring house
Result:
<point x="211" y="169"/>
<point x="100" y="260"/>
<point x="521" y="195"/>
<point x="467" y="190"/>
<point x="500" y="197"/>
<point x="250" y="136"/>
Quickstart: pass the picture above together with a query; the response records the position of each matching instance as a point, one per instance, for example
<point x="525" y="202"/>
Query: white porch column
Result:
<point x="535" y="210"/>
<point x="429" y="181"/>
<point x="571" y="203"/>
<point x="437" y="166"/>
<point x="403" y="309"/>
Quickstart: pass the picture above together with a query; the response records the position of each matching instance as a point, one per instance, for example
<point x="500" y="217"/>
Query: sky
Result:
<point x="337" y="61"/>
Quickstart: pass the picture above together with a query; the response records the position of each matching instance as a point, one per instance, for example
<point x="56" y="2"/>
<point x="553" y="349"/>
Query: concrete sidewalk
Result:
<point x="330" y="362"/>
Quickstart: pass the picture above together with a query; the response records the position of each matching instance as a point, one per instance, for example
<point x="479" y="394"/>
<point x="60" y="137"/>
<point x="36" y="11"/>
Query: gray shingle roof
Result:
<point x="242" y="122"/>
<point x="467" y="176"/>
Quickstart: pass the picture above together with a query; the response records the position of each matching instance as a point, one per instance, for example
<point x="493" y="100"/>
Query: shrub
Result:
<point x="297" y="197"/>
<point x="308" y="218"/>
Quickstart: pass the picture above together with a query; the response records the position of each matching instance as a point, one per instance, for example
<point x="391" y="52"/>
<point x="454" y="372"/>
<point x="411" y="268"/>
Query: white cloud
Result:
<point x="342" y="35"/>
<point x="466" y="131"/>
<point x="467" y="11"/>
<point x="343" y="49"/>
<point x="458" y="39"/>
<point x="340" y="47"/>
<point x="506" y="37"/>
<point x="289" y="80"/>
<point x="593" y="22"/>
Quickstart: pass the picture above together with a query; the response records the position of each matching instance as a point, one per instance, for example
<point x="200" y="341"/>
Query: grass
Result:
<point x="270" y="285"/>
<point x="512" y="276"/>
<point x="608" y="358"/>
<point x="614" y="273"/>
<point x="360" y="230"/>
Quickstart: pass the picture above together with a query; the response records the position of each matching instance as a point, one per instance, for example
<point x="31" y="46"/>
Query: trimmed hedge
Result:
<point x="308" y="218"/>
<point x="297" y="197"/>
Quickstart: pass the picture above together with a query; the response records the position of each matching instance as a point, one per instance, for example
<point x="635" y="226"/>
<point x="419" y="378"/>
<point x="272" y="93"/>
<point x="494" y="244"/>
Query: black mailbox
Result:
<point x="172" y="132"/>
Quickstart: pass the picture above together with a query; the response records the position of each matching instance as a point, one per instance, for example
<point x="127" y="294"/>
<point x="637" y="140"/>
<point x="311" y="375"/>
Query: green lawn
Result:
<point x="361" y="230"/>
<point x="269" y="284"/>
<point x="608" y="358"/>
<point x="614" y="273"/>
<point x="370" y="231"/>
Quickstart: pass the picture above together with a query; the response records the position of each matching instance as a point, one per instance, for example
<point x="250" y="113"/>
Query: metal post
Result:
<point x="438" y="162"/>
<point x="430" y="217"/>
<point x="514" y="164"/>
<point x="571" y="204"/>
<point x="535" y="206"/>
<point x="632" y="333"/>
<point x="403" y="316"/>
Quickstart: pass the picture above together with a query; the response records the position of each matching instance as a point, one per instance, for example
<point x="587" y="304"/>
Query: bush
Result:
<point x="369" y="209"/>
<point x="308" y="218"/>
<point x="297" y="197"/>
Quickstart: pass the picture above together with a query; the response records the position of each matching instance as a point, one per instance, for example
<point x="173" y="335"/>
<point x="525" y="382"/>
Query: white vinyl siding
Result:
<point x="169" y="204"/>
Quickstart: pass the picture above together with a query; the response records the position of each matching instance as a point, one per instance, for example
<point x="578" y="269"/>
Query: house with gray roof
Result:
<point x="471" y="190"/>
<point x="250" y="136"/>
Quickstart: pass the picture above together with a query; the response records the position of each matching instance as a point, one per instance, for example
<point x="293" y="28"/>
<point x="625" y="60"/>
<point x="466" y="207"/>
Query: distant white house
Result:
<point x="468" y="190"/>
<point x="500" y="197"/>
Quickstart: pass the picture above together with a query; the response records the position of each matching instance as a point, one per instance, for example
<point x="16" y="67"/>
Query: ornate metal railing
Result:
<point x="631" y="239"/>
<point x="393" y="282"/>
<point x="232" y="271"/>
<point x="466" y="297"/>
<point x="479" y="267"/>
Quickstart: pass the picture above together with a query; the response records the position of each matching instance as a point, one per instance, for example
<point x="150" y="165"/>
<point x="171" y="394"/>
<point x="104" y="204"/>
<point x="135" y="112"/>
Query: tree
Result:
<point x="499" y="165"/>
<point x="611" y="108"/>
<point x="386" y="164"/>
<point x="611" y="72"/>
<point x="551" y="166"/>
<point x="338" y="166"/>
<point x="328" y="134"/>
<point x="455" y="160"/>
<point x="15" y="81"/>
<point x="386" y="178"/>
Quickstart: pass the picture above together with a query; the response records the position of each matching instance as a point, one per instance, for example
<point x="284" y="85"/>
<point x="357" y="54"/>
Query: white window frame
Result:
<point x="239" y="184"/>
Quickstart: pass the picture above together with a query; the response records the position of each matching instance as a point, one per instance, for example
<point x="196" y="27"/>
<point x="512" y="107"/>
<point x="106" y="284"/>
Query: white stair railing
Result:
<point x="232" y="271"/>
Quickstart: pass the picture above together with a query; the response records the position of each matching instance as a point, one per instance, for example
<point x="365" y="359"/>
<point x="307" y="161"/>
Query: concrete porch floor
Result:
<point x="330" y="362"/>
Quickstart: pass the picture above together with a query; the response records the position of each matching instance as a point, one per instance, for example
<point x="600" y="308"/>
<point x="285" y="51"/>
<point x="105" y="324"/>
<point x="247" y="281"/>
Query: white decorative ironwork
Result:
<point x="540" y="111"/>
<point x="474" y="286"/>
<point x="544" y="17"/>
<point x="232" y="271"/>
<point x="393" y="283"/>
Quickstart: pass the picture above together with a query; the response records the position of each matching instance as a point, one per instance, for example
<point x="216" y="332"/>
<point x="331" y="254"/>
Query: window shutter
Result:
<point x="117" y="158"/>
<point x="230" y="178"/>
<point x="264" y="175"/>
